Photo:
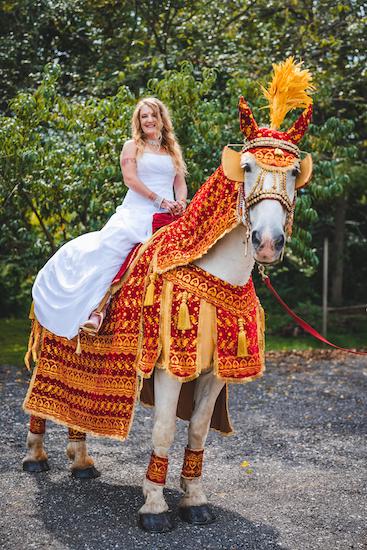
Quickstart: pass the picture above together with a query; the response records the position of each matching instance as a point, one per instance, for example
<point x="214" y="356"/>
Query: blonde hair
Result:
<point x="169" y="141"/>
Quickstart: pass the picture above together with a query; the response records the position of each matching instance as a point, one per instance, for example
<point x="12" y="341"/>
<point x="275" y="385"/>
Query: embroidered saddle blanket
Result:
<point x="179" y="317"/>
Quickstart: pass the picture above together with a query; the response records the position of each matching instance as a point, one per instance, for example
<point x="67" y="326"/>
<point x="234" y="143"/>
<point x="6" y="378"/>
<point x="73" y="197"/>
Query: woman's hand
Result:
<point x="175" y="208"/>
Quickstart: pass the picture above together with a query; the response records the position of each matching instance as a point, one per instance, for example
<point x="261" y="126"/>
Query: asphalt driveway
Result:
<point x="293" y="476"/>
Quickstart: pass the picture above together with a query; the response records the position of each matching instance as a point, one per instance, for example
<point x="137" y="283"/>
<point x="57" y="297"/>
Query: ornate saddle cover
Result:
<point x="159" y="314"/>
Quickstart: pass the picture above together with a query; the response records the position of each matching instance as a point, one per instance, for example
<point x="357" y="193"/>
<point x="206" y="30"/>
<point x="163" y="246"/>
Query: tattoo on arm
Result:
<point x="127" y="160"/>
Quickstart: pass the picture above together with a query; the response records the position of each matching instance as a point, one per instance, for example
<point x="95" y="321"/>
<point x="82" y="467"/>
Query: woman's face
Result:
<point x="149" y="122"/>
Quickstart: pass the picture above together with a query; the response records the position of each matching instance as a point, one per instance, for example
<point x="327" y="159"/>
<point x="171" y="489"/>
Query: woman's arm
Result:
<point x="180" y="188"/>
<point x="128" y="169"/>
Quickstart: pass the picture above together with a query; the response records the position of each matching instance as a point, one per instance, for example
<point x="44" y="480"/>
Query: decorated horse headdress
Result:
<point x="288" y="90"/>
<point x="275" y="151"/>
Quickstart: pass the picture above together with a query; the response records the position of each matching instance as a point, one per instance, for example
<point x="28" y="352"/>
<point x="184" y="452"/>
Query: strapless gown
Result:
<point x="77" y="276"/>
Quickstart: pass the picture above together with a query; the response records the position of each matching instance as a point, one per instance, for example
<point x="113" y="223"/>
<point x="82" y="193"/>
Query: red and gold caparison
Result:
<point x="164" y="309"/>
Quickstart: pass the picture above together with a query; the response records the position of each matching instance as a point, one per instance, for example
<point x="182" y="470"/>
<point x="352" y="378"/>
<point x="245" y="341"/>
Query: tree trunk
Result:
<point x="338" y="252"/>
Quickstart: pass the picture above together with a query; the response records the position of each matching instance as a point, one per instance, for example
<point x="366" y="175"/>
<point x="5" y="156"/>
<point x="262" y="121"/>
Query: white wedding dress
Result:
<point x="77" y="276"/>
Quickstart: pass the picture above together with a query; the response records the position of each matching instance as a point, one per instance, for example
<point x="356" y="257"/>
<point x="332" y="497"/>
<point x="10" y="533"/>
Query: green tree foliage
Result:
<point x="62" y="133"/>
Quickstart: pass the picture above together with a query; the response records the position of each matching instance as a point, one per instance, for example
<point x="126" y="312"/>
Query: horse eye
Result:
<point x="247" y="167"/>
<point x="295" y="172"/>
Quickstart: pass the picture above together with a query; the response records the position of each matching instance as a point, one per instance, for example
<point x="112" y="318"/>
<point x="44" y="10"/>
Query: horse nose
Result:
<point x="279" y="242"/>
<point x="256" y="239"/>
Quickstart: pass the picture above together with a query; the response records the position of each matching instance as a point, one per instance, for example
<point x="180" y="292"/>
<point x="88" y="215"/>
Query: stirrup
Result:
<point x="91" y="328"/>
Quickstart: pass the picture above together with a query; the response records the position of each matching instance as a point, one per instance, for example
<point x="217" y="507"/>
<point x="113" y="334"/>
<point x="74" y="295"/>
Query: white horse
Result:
<point x="260" y="237"/>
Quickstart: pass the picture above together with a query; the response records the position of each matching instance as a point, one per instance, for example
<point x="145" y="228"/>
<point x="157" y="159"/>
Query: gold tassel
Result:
<point x="78" y="350"/>
<point x="262" y="318"/>
<point x="242" y="340"/>
<point x="149" y="295"/>
<point x="36" y="340"/>
<point x="184" y="321"/>
<point x="28" y="355"/>
<point x="31" y="312"/>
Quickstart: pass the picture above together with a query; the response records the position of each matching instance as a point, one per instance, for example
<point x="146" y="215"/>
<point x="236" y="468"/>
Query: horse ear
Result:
<point x="248" y="124"/>
<point x="299" y="128"/>
<point x="231" y="164"/>
<point x="305" y="174"/>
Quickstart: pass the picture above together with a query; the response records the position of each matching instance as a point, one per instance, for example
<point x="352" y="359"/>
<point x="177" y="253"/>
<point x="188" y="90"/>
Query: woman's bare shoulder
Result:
<point x="129" y="149"/>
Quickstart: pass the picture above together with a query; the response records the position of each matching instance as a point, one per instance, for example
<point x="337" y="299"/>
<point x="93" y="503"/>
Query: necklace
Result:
<point x="155" y="144"/>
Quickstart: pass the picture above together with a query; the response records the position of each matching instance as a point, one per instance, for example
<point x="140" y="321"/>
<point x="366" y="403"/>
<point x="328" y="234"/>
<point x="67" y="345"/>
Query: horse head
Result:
<point x="273" y="170"/>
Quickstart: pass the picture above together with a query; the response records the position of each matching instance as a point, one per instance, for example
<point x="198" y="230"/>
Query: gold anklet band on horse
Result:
<point x="37" y="425"/>
<point x="193" y="463"/>
<point x="157" y="469"/>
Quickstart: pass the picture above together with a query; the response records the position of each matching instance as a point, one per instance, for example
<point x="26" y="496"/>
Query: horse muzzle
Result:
<point x="267" y="249"/>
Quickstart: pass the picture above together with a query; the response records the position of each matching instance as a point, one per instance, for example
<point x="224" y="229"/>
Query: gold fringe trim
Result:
<point x="73" y="426"/>
<point x="260" y="318"/>
<point x="165" y="323"/>
<point x="206" y="337"/>
<point x="31" y="312"/>
<point x="78" y="349"/>
<point x="34" y="344"/>
<point x="27" y="357"/>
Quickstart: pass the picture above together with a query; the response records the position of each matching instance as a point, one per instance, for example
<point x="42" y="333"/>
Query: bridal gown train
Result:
<point x="77" y="276"/>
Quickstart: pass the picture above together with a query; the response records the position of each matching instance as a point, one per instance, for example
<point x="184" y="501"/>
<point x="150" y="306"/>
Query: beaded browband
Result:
<point x="272" y="142"/>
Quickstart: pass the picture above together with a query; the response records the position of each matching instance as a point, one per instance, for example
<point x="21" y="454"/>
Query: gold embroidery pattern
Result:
<point x="157" y="469"/>
<point x="75" y="435"/>
<point x="37" y="425"/>
<point x="95" y="391"/>
<point x="237" y="299"/>
<point x="211" y="214"/>
<point x="193" y="463"/>
<point x="149" y="347"/>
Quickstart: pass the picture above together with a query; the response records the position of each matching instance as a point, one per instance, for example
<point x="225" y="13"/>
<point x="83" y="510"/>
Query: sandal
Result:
<point x="92" y="326"/>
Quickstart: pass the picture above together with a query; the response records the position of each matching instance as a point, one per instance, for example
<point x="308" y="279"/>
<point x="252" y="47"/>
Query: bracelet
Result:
<point x="158" y="201"/>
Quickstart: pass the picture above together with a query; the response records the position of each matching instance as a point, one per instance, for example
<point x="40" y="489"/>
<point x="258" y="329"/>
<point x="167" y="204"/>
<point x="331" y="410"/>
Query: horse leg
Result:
<point x="82" y="466"/>
<point x="153" y="515"/>
<point x="35" y="460"/>
<point x="193" y="507"/>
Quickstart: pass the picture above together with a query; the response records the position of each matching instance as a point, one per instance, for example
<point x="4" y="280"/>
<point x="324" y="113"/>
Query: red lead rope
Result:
<point x="300" y="321"/>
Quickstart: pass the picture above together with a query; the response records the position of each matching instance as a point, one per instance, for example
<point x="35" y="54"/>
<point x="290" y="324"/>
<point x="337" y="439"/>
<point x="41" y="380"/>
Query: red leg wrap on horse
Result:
<point x="74" y="435"/>
<point x="157" y="469"/>
<point x="193" y="463"/>
<point x="37" y="425"/>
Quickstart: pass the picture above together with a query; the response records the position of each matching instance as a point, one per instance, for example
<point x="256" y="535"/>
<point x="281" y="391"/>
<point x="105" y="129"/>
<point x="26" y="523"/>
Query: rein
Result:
<point x="305" y="326"/>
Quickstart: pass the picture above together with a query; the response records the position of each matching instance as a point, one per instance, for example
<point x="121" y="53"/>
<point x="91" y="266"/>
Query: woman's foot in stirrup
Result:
<point x="94" y="323"/>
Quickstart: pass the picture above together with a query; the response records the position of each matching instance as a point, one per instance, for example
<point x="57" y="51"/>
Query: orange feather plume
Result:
<point x="288" y="90"/>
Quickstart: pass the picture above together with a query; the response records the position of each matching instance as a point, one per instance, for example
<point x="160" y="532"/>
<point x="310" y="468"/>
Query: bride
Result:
<point x="75" y="279"/>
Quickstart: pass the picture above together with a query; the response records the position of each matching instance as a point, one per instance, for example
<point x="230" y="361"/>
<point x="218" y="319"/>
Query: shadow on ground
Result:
<point x="101" y="515"/>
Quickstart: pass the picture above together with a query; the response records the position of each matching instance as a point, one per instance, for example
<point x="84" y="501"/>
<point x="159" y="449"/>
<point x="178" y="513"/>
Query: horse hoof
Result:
<point x="196" y="515"/>
<point x="35" y="467"/>
<point x="86" y="473"/>
<point x="156" y="523"/>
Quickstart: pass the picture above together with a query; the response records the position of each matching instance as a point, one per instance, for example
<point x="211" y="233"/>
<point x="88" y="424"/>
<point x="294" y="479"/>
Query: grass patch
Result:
<point x="285" y="343"/>
<point x="14" y="339"/>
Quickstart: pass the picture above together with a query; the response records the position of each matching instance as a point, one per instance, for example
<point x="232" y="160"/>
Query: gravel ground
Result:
<point x="302" y="429"/>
